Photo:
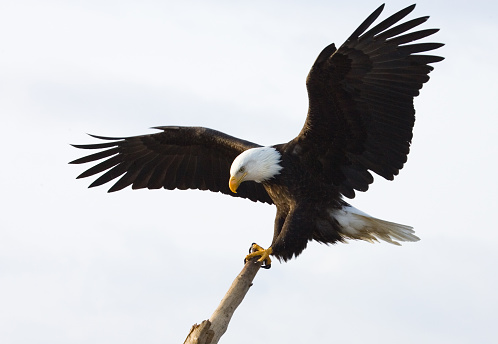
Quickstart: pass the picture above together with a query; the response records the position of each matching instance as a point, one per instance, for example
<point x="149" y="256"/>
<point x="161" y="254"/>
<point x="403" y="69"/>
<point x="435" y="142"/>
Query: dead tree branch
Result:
<point x="210" y="331"/>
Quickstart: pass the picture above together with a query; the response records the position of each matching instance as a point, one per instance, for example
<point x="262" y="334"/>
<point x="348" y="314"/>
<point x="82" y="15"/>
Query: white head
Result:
<point x="256" y="164"/>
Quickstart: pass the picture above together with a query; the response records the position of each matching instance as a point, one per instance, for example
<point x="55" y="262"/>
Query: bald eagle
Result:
<point x="360" y="120"/>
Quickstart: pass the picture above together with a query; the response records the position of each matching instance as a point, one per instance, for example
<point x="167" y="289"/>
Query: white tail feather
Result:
<point x="360" y="226"/>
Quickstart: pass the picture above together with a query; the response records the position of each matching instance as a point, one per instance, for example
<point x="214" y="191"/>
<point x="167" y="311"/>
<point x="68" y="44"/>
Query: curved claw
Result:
<point x="257" y="251"/>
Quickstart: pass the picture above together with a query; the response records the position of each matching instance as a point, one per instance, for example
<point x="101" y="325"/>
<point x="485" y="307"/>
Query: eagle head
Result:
<point x="256" y="164"/>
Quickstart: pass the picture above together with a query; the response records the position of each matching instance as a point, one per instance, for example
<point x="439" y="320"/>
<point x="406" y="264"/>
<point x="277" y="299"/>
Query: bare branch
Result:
<point x="210" y="331"/>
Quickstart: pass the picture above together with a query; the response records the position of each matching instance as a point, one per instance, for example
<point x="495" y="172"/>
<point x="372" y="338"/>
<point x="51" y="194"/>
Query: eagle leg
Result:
<point x="257" y="251"/>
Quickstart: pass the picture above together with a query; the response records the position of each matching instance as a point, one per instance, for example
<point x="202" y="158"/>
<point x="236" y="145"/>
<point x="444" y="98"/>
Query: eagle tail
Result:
<point x="358" y="225"/>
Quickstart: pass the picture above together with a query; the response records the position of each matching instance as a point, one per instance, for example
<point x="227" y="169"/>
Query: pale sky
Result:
<point x="80" y="265"/>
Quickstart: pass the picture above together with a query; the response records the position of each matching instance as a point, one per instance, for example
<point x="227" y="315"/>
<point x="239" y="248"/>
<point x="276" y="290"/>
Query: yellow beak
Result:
<point x="235" y="182"/>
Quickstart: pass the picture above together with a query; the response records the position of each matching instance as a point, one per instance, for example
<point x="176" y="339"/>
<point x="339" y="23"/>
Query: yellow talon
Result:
<point x="258" y="251"/>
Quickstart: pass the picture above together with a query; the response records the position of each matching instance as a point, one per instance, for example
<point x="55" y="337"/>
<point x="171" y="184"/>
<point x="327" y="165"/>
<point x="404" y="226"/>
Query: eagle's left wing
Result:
<point x="361" y="112"/>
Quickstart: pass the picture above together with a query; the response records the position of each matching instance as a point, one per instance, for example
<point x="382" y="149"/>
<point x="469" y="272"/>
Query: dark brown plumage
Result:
<point x="360" y="119"/>
<point x="176" y="158"/>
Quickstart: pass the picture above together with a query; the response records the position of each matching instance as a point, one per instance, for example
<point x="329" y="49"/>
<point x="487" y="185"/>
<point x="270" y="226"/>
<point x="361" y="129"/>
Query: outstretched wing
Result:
<point x="175" y="158"/>
<point x="361" y="110"/>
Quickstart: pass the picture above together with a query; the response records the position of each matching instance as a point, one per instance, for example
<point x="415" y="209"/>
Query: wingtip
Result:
<point x="411" y="7"/>
<point x="167" y="127"/>
<point x="407" y="10"/>
<point x="366" y="23"/>
<point x="77" y="146"/>
<point x="106" y="137"/>
<point x="83" y="175"/>
<point x="115" y="188"/>
<point x="76" y="161"/>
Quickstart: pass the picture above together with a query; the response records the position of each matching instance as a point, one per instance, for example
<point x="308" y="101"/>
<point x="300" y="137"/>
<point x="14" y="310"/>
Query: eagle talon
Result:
<point x="257" y="251"/>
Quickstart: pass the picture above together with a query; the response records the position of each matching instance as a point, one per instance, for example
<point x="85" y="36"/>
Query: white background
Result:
<point x="85" y="266"/>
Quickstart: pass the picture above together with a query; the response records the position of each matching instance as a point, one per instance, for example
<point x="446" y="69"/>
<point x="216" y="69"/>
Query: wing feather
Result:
<point x="361" y="112"/>
<point x="175" y="158"/>
<point x="100" y="167"/>
<point x="387" y="23"/>
<point x="111" y="174"/>
<point x="402" y="28"/>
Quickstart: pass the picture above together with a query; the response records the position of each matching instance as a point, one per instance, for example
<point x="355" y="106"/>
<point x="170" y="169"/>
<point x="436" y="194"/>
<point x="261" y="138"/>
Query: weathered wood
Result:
<point x="210" y="331"/>
<point x="200" y="334"/>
